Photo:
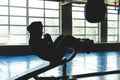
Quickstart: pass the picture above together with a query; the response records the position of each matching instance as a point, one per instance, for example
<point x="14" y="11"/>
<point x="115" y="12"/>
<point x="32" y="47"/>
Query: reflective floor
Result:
<point x="82" y="63"/>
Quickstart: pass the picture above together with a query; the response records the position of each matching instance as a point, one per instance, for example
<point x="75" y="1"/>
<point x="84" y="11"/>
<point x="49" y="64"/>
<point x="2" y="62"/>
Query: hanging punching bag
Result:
<point x="95" y="11"/>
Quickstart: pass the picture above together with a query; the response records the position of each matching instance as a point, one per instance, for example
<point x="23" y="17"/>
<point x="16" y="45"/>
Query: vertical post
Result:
<point x="64" y="71"/>
<point x="104" y="30"/>
<point x="67" y="19"/>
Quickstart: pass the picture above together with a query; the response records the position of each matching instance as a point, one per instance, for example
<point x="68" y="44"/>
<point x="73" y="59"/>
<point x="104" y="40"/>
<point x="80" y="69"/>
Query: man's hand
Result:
<point x="48" y="38"/>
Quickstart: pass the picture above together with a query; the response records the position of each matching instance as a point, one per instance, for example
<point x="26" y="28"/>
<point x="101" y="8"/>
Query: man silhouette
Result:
<point x="45" y="48"/>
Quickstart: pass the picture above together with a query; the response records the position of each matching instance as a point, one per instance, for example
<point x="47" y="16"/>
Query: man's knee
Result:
<point x="68" y="37"/>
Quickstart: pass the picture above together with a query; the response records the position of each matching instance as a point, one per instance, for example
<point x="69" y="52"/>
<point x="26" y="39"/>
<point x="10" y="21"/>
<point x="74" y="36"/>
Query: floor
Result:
<point x="82" y="64"/>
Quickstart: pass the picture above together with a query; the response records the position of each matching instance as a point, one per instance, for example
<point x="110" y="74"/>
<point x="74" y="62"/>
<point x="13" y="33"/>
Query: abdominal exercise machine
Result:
<point x="33" y="73"/>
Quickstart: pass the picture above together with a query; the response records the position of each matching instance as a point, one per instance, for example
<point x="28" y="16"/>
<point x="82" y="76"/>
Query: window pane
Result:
<point x="51" y="13"/>
<point x="78" y="22"/>
<point x="112" y="31"/>
<point x="17" y="30"/>
<point x="112" y="16"/>
<point x="111" y="7"/>
<point x="112" y="38"/>
<point x="3" y="34"/>
<point x="78" y="31"/>
<point x="36" y="3"/>
<point x="78" y="5"/>
<point x="3" y="10"/>
<point x="88" y="24"/>
<point x="4" y="39"/>
<point x="78" y="8"/>
<point x="52" y="30"/>
<point x="3" y="31"/>
<point x="18" y="2"/>
<point x="91" y="31"/>
<point x="112" y="23"/>
<point x="36" y="12"/>
<point x="94" y="37"/>
<point x="51" y="4"/>
<point x="18" y="20"/>
<point x="3" y="2"/>
<point x="17" y="11"/>
<point x="78" y="15"/>
<point x="3" y="19"/>
<point x="51" y="22"/>
<point x="112" y="11"/>
<point x="16" y="39"/>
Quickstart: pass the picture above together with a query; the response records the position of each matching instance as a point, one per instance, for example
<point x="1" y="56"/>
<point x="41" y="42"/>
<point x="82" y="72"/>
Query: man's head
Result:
<point x="35" y="27"/>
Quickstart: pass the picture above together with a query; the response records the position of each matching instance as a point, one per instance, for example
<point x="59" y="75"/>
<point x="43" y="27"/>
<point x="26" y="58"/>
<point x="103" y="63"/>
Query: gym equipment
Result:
<point x="32" y="73"/>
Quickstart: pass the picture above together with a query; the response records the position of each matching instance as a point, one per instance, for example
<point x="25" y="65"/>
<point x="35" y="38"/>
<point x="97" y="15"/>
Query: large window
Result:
<point x="113" y="24"/>
<point x="81" y="27"/>
<point x="16" y="15"/>
<point x="48" y="13"/>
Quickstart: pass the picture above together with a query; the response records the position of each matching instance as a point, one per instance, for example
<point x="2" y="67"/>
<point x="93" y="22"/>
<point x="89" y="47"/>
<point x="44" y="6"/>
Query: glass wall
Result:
<point x="16" y="15"/>
<point x="81" y="27"/>
<point x="112" y="24"/>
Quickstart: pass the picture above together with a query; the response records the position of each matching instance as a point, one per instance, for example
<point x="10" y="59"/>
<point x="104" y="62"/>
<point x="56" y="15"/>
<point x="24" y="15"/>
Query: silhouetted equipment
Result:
<point x="33" y="73"/>
<point x="95" y="11"/>
<point x="38" y="70"/>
